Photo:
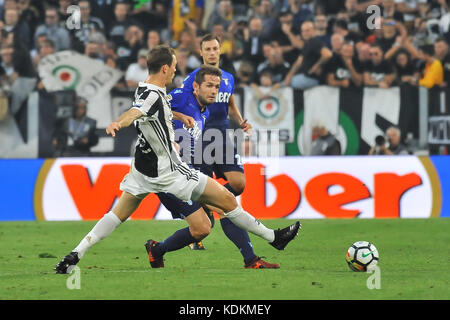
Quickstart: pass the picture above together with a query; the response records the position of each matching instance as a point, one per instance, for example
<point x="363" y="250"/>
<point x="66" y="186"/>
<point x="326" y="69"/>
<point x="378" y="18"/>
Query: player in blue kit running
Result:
<point x="190" y="103"/>
<point x="219" y="112"/>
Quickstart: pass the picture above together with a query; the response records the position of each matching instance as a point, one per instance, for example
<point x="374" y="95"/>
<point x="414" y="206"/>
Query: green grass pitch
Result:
<point x="414" y="262"/>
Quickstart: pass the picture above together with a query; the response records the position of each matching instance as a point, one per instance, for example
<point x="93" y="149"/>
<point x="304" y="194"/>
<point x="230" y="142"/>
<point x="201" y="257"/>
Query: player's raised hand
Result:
<point x="246" y="126"/>
<point x="112" y="128"/>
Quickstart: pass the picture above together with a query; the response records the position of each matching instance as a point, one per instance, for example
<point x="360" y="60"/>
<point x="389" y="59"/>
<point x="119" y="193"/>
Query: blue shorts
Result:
<point x="220" y="167"/>
<point x="178" y="208"/>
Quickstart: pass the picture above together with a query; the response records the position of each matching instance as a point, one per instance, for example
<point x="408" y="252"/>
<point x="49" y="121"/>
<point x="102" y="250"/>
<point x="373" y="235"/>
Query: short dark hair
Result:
<point x="158" y="57"/>
<point x="428" y="49"/>
<point x="341" y="24"/>
<point x="206" y="70"/>
<point x="209" y="37"/>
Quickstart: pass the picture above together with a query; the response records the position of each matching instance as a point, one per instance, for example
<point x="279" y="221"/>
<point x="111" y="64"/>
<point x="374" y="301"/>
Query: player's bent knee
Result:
<point x="229" y="201"/>
<point x="201" y="232"/>
<point x="238" y="187"/>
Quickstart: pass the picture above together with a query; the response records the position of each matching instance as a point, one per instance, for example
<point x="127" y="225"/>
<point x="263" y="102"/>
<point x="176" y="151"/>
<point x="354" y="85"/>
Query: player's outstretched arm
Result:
<point x="125" y="120"/>
<point x="187" y="120"/>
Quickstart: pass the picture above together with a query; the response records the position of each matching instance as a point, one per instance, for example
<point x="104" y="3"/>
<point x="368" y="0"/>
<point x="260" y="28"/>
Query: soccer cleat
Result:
<point x="284" y="236"/>
<point x="259" y="263"/>
<point x="67" y="264"/>
<point x="155" y="261"/>
<point x="197" y="246"/>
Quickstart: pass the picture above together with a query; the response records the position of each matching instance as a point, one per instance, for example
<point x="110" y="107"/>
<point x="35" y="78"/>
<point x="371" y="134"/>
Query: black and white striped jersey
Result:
<point x="154" y="155"/>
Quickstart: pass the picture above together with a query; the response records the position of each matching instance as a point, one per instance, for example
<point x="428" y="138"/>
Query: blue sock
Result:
<point x="178" y="240"/>
<point x="240" y="238"/>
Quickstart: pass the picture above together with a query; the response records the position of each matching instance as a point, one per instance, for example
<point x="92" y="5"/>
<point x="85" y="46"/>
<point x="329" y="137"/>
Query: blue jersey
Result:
<point x="218" y="111"/>
<point x="185" y="102"/>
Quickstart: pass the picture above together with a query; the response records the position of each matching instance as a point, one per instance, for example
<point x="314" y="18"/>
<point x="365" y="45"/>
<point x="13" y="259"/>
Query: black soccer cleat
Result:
<point x="284" y="236"/>
<point x="155" y="261"/>
<point x="67" y="264"/>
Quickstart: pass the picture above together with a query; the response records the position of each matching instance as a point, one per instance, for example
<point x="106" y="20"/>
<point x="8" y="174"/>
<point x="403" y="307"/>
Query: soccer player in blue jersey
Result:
<point x="223" y="108"/>
<point x="190" y="103"/>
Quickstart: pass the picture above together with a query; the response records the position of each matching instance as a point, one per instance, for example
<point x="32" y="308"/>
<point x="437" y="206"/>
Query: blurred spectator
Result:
<point x="274" y="63"/>
<point x="434" y="73"/>
<point x="94" y="46"/>
<point x="244" y="74"/>
<point x="153" y="15"/>
<point x="19" y="29"/>
<point x="355" y="18"/>
<point x="378" y="72"/>
<point x="363" y="52"/>
<point x="226" y="40"/>
<point x="153" y="39"/>
<point x="39" y="40"/>
<point x="45" y="48"/>
<point x="77" y="134"/>
<point x="121" y="21"/>
<point x="88" y="24"/>
<point x="110" y="55"/>
<point x="344" y="68"/>
<point x="341" y="27"/>
<point x="337" y="40"/>
<point x="240" y="7"/>
<point x="307" y="69"/>
<point x="441" y="51"/>
<point x="29" y="15"/>
<point x="265" y="85"/>
<point x="63" y="12"/>
<point x="128" y="50"/>
<point x="420" y="35"/>
<point x="104" y="10"/>
<point x="324" y="143"/>
<point x="321" y="25"/>
<point x="137" y="71"/>
<point x="265" y="11"/>
<point x="299" y="13"/>
<point x="329" y="7"/>
<point x="409" y="9"/>
<point x="254" y="42"/>
<point x="394" y="147"/>
<point x="405" y="70"/>
<point x="16" y="60"/>
<point x="287" y="36"/>
<point x="389" y="10"/>
<point x="59" y="35"/>
<point x="182" y="10"/>
<point x="221" y="14"/>
<point x="393" y="36"/>
<point x="7" y="63"/>
<point x="182" y="67"/>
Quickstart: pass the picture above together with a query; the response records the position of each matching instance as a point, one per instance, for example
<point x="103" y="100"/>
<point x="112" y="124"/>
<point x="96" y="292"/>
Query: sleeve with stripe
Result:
<point x="149" y="105"/>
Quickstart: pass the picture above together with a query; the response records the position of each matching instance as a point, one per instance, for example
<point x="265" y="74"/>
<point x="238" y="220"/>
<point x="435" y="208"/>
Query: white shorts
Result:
<point x="184" y="183"/>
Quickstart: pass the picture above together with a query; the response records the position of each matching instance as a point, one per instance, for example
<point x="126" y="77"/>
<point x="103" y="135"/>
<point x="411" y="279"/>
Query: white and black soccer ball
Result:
<point x="362" y="256"/>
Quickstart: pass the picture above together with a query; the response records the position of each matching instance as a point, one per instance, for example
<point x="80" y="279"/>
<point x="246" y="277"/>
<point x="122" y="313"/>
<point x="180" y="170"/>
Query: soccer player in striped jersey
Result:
<point x="157" y="168"/>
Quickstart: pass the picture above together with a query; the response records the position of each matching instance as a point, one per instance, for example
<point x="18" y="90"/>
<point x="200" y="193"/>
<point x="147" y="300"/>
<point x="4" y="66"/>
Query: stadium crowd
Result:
<point x="272" y="43"/>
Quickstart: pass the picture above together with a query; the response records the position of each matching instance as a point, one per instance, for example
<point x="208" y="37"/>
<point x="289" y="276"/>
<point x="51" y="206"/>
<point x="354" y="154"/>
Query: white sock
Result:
<point x="101" y="230"/>
<point x="247" y="222"/>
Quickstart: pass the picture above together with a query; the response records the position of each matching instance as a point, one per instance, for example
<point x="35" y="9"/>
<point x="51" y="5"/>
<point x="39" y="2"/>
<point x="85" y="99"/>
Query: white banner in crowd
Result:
<point x="273" y="112"/>
<point x="321" y="108"/>
<point x="91" y="78"/>
<point x="382" y="102"/>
